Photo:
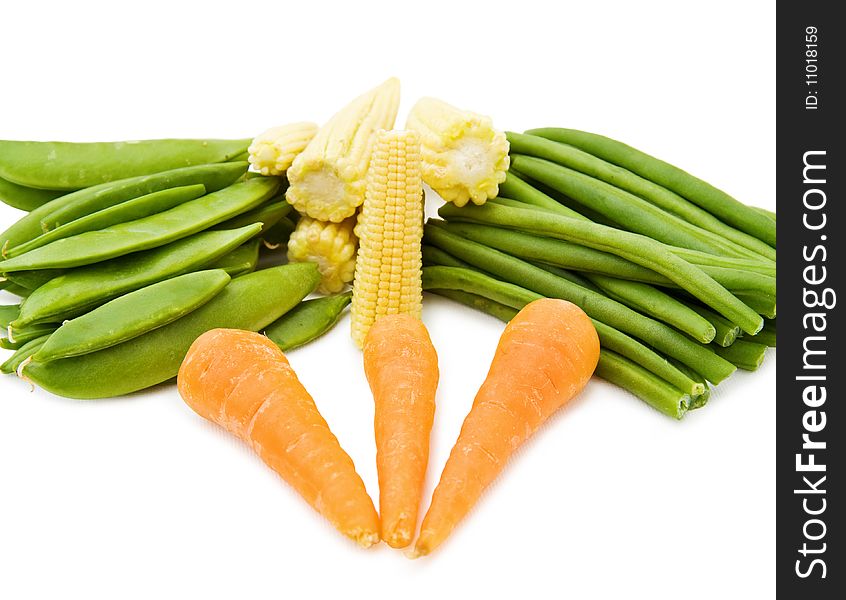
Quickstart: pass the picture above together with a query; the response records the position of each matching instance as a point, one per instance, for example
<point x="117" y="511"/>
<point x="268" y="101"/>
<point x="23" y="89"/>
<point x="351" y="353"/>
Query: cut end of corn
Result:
<point x="464" y="157"/>
<point x="331" y="245"/>
<point x="273" y="151"/>
<point x="390" y="229"/>
<point x="327" y="180"/>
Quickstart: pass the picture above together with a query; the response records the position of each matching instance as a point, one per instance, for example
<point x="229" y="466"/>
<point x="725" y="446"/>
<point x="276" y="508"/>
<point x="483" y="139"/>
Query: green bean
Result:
<point x="568" y="275"/>
<point x="268" y="214"/>
<point x="82" y="289"/>
<point x="134" y="314"/>
<point x="762" y="304"/>
<point x="434" y="256"/>
<point x="8" y="313"/>
<point x="568" y="255"/>
<point x="726" y="331"/>
<point x="250" y="302"/>
<point x="597" y="306"/>
<point x="649" y="300"/>
<point x="701" y="259"/>
<point x="766" y="336"/>
<point x="703" y="194"/>
<point x="307" y="322"/>
<point x="517" y="189"/>
<point x="241" y="260"/>
<point x="149" y="232"/>
<point x="25" y="198"/>
<point x="480" y="303"/>
<point x="647" y="386"/>
<point x="636" y="248"/>
<point x="572" y="157"/>
<point x="743" y="354"/>
<point x="631" y="212"/>
<point x="700" y="399"/>
<point x="73" y="166"/>
<point x="137" y="208"/>
<point x="21" y="354"/>
<point x="462" y="280"/>
<point x="764" y="211"/>
<point x="78" y="204"/>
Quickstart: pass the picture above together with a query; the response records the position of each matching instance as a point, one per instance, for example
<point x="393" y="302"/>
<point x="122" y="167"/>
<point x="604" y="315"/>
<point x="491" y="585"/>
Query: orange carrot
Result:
<point x="545" y="356"/>
<point x="243" y="382"/>
<point x="402" y="368"/>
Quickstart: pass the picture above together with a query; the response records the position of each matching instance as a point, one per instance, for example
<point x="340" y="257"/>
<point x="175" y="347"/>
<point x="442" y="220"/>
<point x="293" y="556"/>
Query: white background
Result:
<point x="140" y="498"/>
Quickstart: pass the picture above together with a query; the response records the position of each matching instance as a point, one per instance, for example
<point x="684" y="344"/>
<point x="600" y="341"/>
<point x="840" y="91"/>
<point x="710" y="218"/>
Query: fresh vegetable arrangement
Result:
<point x="140" y="262"/>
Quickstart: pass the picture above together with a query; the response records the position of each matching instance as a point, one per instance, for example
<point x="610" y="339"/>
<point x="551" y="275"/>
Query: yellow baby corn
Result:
<point x="464" y="157"/>
<point x="331" y="245"/>
<point x="273" y="151"/>
<point x="327" y="179"/>
<point x="390" y="227"/>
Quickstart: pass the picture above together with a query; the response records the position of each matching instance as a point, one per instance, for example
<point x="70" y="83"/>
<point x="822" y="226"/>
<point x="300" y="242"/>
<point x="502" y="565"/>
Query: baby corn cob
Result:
<point x="390" y="227"/>
<point x="464" y="157"/>
<point x="327" y="179"/>
<point x="331" y="245"/>
<point x="273" y="151"/>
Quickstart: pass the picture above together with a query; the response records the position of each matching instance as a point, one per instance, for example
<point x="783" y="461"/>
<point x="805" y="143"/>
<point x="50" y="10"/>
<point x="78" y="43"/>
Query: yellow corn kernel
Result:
<point x="273" y="151"/>
<point x="331" y="245"/>
<point x="327" y="179"/>
<point x="390" y="229"/>
<point x="464" y="157"/>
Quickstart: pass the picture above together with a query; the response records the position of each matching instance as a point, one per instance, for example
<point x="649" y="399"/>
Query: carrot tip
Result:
<point x="364" y="538"/>
<point x="399" y="538"/>
<point x="417" y="552"/>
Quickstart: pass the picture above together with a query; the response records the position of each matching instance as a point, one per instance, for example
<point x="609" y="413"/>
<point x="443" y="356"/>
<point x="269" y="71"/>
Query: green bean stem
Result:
<point x="703" y="194"/>
<point x="572" y="157"/>
<point x="700" y="399"/>
<point x="726" y="331"/>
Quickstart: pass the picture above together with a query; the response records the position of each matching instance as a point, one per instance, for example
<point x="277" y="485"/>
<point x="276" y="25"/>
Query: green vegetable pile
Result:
<point x="678" y="276"/>
<point x="131" y="250"/>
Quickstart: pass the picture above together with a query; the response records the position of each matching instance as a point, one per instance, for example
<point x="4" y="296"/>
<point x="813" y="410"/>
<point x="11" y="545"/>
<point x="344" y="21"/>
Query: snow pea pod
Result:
<point x="148" y="232"/>
<point x="308" y="321"/>
<point x="31" y="280"/>
<point x="82" y="289"/>
<point x="25" y="198"/>
<point x="133" y="314"/>
<point x="21" y="354"/>
<point x="268" y="214"/>
<point x="250" y="302"/>
<point x="137" y="208"/>
<point x="16" y="339"/>
<point x="72" y="206"/>
<point x="240" y="261"/>
<point x="73" y="166"/>
<point x="8" y="313"/>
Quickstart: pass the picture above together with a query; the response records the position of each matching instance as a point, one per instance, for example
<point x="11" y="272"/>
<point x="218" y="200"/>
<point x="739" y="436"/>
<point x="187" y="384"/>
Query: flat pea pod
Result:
<point x="70" y="207"/>
<point x="16" y="339"/>
<point x="279" y="234"/>
<point x="73" y="166"/>
<point x="25" y="198"/>
<point x="308" y="321"/>
<point x="31" y="280"/>
<point x="133" y="314"/>
<point x="82" y="289"/>
<point x="149" y="232"/>
<point x="250" y="302"/>
<point x="8" y="313"/>
<point x="268" y="214"/>
<point x="21" y="354"/>
<point x="137" y="208"/>
<point x="241" y="260"/>
<point x="13" y="288"/>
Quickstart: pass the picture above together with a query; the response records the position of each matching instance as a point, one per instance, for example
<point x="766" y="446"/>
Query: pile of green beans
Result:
<point x="159" y="242"/>
<point x="680" y="296"/>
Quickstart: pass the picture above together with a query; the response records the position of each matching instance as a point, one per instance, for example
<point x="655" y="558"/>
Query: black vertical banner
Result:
<point x="811" y="233"/>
